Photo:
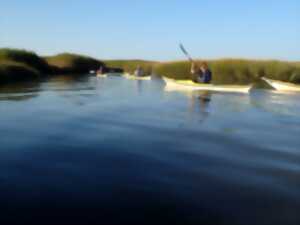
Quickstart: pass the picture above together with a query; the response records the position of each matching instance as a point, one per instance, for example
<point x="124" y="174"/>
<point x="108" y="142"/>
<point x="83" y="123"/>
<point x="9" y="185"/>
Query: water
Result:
<point x="117" y="151"/>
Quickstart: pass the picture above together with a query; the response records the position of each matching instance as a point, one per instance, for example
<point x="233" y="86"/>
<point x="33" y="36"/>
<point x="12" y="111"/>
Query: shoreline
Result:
<point x="21" y="65"/>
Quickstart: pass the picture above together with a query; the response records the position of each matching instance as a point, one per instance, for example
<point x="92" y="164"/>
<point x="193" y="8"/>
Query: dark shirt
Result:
<point x="204" y="77"/>
<point x="207" y="76"/>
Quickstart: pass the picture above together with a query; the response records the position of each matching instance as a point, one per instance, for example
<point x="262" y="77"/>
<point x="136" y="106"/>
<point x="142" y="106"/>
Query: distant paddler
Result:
<point x="139" y="72"/>
<point x="100" y="71"/>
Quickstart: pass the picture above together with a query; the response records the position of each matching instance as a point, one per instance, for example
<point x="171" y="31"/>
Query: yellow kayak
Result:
<point x="281" y="86"/>
<point x="132" y="77"/>
<point x="188" y="85"/>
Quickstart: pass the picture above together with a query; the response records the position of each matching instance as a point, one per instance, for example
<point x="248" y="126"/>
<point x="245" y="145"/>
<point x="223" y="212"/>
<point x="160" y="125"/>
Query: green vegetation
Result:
<point x="14" y="71"/>
<point x="21" y="65"/>
<point x="130" y="66"/>
<point x="234" y="71"/>
<point x="72" y="63"/>
<point x="25" y="57"/>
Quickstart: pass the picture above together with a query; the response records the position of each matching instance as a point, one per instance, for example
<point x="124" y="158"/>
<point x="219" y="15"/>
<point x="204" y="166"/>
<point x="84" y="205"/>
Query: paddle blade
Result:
<point x="183" y="49"/>
<point x="185" y="52"/>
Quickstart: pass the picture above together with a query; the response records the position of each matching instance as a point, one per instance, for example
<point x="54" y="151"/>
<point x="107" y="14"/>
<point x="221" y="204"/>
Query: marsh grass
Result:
<point x="72" y="63"/>
<point x="14" y="72"/>
<point x="28" y="58"/>
<point x="22" y="65"/>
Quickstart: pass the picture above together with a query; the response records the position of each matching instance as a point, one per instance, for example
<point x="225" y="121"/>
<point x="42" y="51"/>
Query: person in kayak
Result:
<point x="100" y="71"/>
<point x="139" y="72"/>
<point x="202" y="73"/>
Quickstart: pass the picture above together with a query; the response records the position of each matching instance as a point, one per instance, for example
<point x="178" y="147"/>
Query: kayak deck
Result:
<point x="172" y="84"/>
<point x="132" y="77"/>
<point x="102" y="75"/>
<point x="280" y="85"/>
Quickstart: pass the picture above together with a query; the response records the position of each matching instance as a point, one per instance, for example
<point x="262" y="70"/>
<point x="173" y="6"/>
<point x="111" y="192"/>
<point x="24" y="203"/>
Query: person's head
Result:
<point x="203" y="66"/>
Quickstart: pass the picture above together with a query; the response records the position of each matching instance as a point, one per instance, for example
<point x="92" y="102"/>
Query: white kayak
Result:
<point x="188" y="85"/>
<point x="281" y="86"/>
<point x="133" y="77"/>
<point x="102" y="75"/>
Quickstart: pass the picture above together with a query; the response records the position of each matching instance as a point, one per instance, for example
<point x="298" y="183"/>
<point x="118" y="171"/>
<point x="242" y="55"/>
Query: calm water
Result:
<point x="116" y="151"/>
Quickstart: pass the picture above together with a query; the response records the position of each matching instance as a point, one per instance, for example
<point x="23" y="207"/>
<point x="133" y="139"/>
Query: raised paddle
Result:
<point x="185" y="52"/>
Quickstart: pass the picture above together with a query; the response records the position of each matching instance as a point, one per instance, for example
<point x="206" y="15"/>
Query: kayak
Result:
<point x="281" y="86"/>
<point x="102" y="75"/>
<point x="132" y="77"/>
<point x="188" y="85"/>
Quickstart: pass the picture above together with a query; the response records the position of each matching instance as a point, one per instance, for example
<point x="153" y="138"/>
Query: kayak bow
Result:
<point x="281" y="86"/>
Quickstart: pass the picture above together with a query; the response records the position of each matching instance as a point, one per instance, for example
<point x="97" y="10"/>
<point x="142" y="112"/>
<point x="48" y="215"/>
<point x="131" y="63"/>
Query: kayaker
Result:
<point x="203" y="73"/>
<point x="100" y="70"/>
<point x="139" y="72"/>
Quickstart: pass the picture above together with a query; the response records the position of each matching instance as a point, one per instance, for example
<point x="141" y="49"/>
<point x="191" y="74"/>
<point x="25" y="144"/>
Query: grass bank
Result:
<point x="21" y="65"/>
<point x="13" y="72"/>
<point x="72" y="63"/>
<point x="235" y="71"/>
<point x="24" y="57"/>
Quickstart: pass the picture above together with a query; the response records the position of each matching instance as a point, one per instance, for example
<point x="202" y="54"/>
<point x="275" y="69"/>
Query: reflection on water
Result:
<point x="199" y="105"/>
<point x="277" y="103"/>
<point x="117" y="151"/>
<point x="139" y="86"/>
<point x="19" y="92"/>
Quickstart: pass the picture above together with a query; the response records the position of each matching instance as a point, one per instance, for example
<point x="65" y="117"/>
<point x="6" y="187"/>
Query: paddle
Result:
<point x="189" y="57"/>
<point x="185" y="52"/>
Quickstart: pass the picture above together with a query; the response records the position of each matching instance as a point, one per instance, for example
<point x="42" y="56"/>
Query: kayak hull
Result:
<point x="188" y="85"/>
<point x="102" y="75"/>
<point x="132" y="77"/>
<point x="281" y="86"/>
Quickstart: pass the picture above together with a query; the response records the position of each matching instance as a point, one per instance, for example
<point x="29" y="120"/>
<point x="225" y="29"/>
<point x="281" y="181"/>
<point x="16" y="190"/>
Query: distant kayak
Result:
<point x="189" y="85"/>
<point x="102" y="75"/>
<point x="281" y="86"/>
<point x="133" y="77"/>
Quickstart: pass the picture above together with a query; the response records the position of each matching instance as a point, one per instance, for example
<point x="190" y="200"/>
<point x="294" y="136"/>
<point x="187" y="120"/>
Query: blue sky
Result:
<point x="152" y="29"/>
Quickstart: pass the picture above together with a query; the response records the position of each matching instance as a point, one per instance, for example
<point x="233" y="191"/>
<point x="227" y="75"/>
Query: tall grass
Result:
<point x="72" y="63"/>
<point x="234" y="71"/>
<point x="20" y="65"/>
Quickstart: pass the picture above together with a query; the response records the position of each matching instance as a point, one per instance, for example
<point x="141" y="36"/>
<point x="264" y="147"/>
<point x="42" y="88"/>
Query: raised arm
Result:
<point x="193" y="68"/>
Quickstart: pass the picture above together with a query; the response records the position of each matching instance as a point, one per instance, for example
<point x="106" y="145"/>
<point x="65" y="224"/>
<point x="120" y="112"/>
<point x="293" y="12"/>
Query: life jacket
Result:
<point x="206" y="77"/>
